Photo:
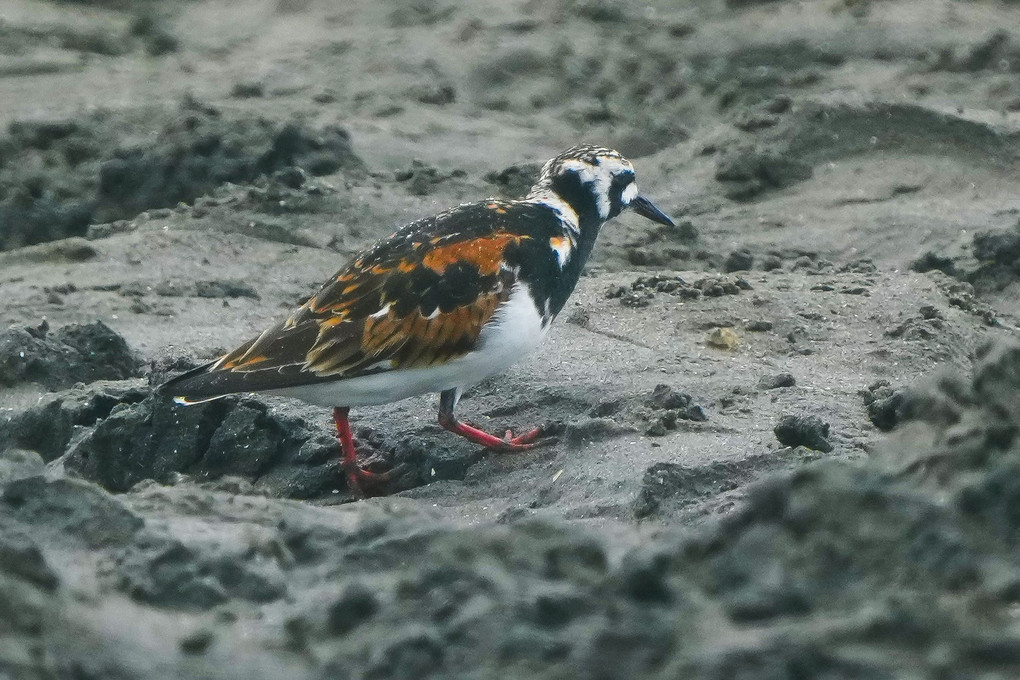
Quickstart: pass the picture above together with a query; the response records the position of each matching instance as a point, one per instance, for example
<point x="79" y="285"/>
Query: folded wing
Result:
<point x="415" y="300"/>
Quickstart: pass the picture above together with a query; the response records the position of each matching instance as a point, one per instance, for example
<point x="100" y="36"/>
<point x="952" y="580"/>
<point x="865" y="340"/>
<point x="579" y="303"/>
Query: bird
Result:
<point x="439" y="305"/>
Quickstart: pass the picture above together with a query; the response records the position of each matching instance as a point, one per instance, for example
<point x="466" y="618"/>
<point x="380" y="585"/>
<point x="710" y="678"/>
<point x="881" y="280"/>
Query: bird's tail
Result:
<point x="192" y="387"/>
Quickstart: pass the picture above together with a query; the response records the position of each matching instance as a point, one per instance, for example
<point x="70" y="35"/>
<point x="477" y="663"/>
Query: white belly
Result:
<point x="514" y="330"/>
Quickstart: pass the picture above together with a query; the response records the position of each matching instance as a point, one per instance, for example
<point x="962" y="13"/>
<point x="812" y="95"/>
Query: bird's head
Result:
<point x="593" y="183"/>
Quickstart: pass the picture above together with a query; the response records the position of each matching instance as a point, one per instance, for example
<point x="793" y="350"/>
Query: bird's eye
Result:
<point x="621" y="191"/>
<point x="622" y="182"/>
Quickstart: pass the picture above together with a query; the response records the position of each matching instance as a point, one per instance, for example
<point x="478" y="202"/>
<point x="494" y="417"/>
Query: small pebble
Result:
<point x="723" y="338"/>
<point x="809" y="431"/>
<point x="197" y="642"/>
<point x="771" y="382"/>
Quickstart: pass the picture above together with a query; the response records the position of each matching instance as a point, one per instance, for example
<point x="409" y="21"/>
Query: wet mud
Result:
<point x="787" y="427"/>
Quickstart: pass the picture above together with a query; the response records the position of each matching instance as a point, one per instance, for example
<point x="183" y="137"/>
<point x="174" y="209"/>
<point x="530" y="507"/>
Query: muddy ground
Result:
<point x="788" y="427"/>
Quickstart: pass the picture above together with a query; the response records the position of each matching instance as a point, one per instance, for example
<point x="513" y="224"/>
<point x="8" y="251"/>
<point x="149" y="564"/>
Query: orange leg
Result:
<point x="357" y="477"/>
<point x="529" y="440"/>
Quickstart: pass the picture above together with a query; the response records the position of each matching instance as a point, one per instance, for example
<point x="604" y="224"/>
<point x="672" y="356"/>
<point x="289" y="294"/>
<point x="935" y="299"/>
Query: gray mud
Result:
<point x="788" y="441"/>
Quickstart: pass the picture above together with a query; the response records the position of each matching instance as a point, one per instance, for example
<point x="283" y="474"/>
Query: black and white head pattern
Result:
<point x="587" y="185"/>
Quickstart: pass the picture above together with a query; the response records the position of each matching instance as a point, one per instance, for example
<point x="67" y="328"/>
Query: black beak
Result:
<point x="642" y="206"/>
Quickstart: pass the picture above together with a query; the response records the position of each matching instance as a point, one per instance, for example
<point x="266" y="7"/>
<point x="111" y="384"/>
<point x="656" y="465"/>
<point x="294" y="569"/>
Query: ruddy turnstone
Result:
<point x="439" y="305"/>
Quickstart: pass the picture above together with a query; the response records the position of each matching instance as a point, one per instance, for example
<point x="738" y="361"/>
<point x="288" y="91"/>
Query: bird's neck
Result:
<point x="581" y="226"/>
<point x="581" y="229"/>
<point x="578" y="212"/>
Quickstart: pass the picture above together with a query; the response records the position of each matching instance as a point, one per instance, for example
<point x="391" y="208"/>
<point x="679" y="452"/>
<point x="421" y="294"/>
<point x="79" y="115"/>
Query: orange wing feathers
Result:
<point x="416" y="299"/>
<point x="356" y="323"/>
<point x="484" y="253"/>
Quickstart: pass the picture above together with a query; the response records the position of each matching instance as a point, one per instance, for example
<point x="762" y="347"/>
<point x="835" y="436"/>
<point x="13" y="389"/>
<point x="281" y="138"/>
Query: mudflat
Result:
<point x="788" y="426"/>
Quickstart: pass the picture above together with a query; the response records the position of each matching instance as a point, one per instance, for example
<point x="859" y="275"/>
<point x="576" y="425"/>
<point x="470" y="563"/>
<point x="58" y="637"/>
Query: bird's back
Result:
<point x="417" y="299"/>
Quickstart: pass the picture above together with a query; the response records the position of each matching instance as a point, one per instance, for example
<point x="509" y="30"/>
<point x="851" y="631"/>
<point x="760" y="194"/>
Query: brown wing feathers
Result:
<point x="407" y="303"/>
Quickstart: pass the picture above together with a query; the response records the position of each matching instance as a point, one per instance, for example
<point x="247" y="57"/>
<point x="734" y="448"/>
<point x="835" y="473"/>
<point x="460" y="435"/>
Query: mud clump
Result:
<point x="21" y="558"/>
<point x="674" y="406"/>
<point x="665" y="397"/>
<point x="356" y="605"/>
<point x="585" y="430"/>
<point x="58" y="177"/>
<point x="516" y="180"/>
<point x="885" y="405"/>
<point x="203" y="150"/>
<point x="747" y="172"/>
<point x="215" y="288"/>
<point x="422" y="179"/>
<point x="121" y="434"/>
<point x="739" y="260"/>
<point x="87" y="38"/>
<point x="991" y="52"/>
<point x="776" y="381"/>
<point x="676" y="486"/>
<point x="18" y="463"/>
<point x="809" y="431"/>
<point x="48" y="427"/>
<point x="154" y="439"/>
<point x="985" y="408"/>
<point x="523" y="598"/>
<point x="27" y="590"/>
<point x="990" y="262"/>
<point x="46" y="193"/>
<point x="998" y="256"/>
<point x="932" y="261"/>
<point x="752" y="74"/>
<point x="154" y="31"/>
<point x="764" y="566"/>
<point x="70" y="508"/>
<point x="644" y="288"/>
<point x="73" y="353"/>
<point x="159" y="570"/>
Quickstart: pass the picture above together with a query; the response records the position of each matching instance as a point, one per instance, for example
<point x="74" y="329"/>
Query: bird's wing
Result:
<point x="417" y="299"/>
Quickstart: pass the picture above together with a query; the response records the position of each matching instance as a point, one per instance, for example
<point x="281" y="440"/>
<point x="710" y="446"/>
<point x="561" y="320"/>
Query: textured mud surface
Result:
<point x="788" y="441"/>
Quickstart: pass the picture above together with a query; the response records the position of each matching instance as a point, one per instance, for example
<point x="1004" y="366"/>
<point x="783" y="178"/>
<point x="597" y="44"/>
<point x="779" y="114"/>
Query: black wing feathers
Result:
<point x="418" y="298"/>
